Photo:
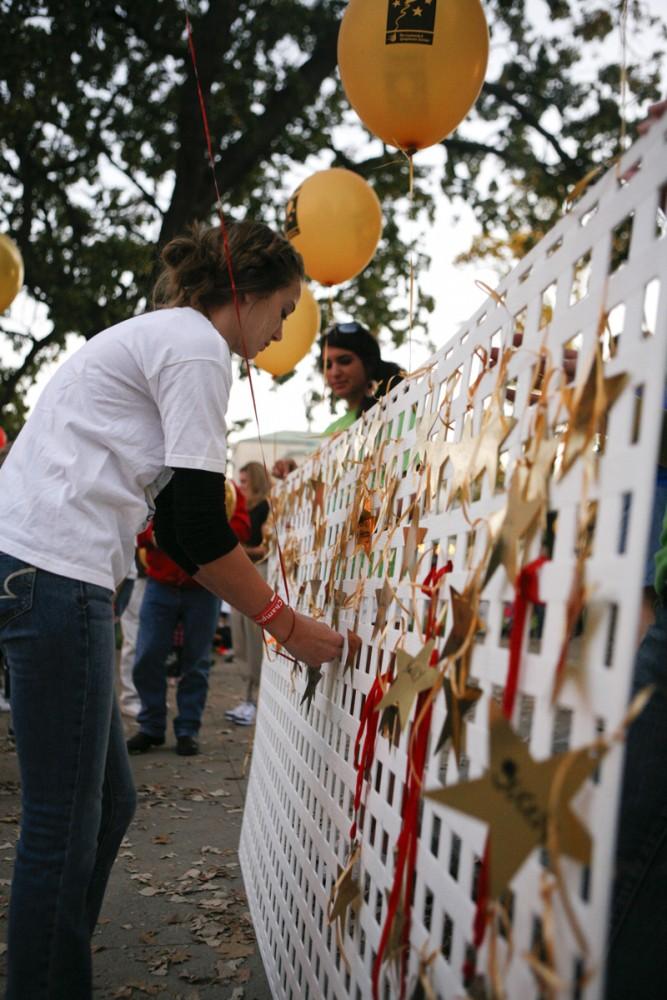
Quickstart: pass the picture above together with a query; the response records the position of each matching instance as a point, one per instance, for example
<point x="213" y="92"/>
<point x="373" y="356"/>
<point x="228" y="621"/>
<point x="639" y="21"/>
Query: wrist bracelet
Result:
<point x="273" y="608"/>
<point x="289" y="634"/>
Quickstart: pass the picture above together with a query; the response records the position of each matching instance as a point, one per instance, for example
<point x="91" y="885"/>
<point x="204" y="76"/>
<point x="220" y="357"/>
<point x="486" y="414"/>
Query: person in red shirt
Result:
<point x="172" y="596"/>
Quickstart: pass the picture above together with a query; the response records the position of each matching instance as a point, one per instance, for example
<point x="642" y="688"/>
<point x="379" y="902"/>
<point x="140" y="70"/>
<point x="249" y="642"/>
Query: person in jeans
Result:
<point x="172" y="596"/>
<point x="134" y="421"/>
<point x="246" y="636"/>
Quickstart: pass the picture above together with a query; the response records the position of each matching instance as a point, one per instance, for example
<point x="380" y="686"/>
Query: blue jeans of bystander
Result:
<point x="77" y="792"/>
<point x="162" y="608"/>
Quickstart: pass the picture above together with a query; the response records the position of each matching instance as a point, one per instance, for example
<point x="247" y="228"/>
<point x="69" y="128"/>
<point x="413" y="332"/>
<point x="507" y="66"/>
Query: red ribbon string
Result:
<point x="230" y="271"/>
<point x="406" y="846"/>
<point x="368" y="724"/>
<point x="408" y="840"/>
<point x="526" y="592"/>
<point x="430" y="587"/>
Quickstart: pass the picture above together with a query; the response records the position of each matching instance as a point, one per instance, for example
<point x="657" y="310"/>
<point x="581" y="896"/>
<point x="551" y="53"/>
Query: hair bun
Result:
<point x="177" y="251"/>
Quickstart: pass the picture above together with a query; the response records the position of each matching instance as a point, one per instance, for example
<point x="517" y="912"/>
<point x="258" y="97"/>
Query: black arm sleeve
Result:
<point x="190" y="521"/>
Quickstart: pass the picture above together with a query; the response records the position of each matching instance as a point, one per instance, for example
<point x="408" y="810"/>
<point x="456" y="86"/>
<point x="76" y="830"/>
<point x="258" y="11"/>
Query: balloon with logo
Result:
<point x="334" y="220"/>
<point x="299" y="332"/>
<point x="412" y="69"/>
<point x="11" y="272"/>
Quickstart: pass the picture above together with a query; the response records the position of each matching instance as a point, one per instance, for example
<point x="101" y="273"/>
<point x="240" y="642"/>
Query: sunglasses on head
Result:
<point x="352" y="327"/>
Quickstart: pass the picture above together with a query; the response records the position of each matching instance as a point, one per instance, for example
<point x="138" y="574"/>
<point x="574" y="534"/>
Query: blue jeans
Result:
<point x="162" y="608"/>
<point x="637" y="959"/>
<point x="77" y="793"/>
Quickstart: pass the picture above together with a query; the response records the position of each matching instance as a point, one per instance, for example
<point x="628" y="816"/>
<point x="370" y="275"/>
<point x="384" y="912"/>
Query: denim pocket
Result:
<point x="16" y="594"/>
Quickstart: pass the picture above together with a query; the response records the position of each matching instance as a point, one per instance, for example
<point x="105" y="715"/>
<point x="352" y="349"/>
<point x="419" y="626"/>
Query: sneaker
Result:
<point x="186" y="746"/>
<point x="130" y="708"/>
<point x="4" y="704"/>
<point x="230" y="713"/>
<point x="245" y="715"/>
<point x="142" y="742"/>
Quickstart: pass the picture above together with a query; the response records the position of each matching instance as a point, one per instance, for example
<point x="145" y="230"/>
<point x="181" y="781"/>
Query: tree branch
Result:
<point x="507" y="97"/>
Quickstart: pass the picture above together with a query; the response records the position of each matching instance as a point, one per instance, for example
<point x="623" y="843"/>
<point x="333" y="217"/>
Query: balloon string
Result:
<point x="411" y="296"/>
<point x="624" y="73"/>
<point x="230" y="271"/>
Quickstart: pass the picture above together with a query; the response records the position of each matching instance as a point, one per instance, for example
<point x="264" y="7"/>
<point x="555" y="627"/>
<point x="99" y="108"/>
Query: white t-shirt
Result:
<point x="140" y="398"/>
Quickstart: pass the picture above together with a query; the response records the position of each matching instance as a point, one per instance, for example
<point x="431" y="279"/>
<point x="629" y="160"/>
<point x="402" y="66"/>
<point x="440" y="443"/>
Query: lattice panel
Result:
<point x="609" y="255"/>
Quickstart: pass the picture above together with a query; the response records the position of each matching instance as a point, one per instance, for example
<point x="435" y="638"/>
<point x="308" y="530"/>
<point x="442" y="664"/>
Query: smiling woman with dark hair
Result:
<point x="355" y="370"/>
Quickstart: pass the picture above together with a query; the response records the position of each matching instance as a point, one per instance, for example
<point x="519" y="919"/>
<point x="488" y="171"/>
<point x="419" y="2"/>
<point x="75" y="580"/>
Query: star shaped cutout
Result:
<point x="464" y="620"/>
<point x="508" y="526"/>
<point x="314" y="678"/>
<point x="354" y="644"/>
<point x="587" y="404"/>
<point x="413" y="675"/>
<point x="495" y="428"/>
<point x="457" y="708"/>
<point x="346" y="892"/>
<point x="460" y="455"/>
<point x="513" y="798"/>
<point x="318" y="490"/>
<point x="384" y="595"/>
<point x="413" y="537"/>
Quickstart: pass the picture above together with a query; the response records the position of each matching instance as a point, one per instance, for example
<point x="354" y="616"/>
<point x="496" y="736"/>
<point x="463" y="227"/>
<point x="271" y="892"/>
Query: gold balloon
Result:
<point x="299" y="332"/>
<point x="11" y="272"/>
<point x="412" y="69"/>
<point x="334" y="220"/>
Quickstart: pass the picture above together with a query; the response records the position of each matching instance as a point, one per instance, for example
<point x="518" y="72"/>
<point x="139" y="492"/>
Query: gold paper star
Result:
<point x="314" y="678"/>
<point x="513" y="798"/>
<point x="461" y="454"/>
<point x="345" y="893"/>
<point x="457" y="709"/>
<point x="413" y="675"/>
<point x="387" y="505"/>
<point x="413" y="536"/>
<point x="354" y="644"/>
<point x="495" y="428"/>
<point x="588" y="404"/>
<point x="464" y="620"/>
<point x="318" y="488"/>
<point x="508" y="526"/>
<point x="384" y="595"/>
<point x="365" y="528"/>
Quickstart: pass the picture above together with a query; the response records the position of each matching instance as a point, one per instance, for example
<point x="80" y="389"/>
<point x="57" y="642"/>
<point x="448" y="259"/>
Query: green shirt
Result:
<point x="661" y="560"/>
<point x="342" y="423"/>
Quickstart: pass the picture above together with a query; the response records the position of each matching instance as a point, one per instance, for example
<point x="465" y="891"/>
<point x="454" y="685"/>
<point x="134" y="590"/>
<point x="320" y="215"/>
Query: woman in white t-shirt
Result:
<point x="134" y="422"/>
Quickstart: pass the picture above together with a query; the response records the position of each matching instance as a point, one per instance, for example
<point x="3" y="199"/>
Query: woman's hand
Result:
<point x="310" y="641"/>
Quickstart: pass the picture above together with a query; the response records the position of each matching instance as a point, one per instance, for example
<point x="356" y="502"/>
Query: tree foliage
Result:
<point x="102" y="155"/>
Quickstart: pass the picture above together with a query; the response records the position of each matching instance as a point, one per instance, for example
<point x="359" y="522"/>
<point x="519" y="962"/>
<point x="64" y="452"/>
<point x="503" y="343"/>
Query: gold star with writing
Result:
<point x="513" y="797"/>
<point x="413" y="675"/>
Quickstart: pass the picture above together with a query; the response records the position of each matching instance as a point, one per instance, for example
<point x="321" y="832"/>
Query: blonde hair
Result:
<point x="260" y="484"/>
<point x="195" y="270"/>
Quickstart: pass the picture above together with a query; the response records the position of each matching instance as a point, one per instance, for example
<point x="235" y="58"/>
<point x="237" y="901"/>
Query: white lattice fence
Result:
<point x="608" y="256"/>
